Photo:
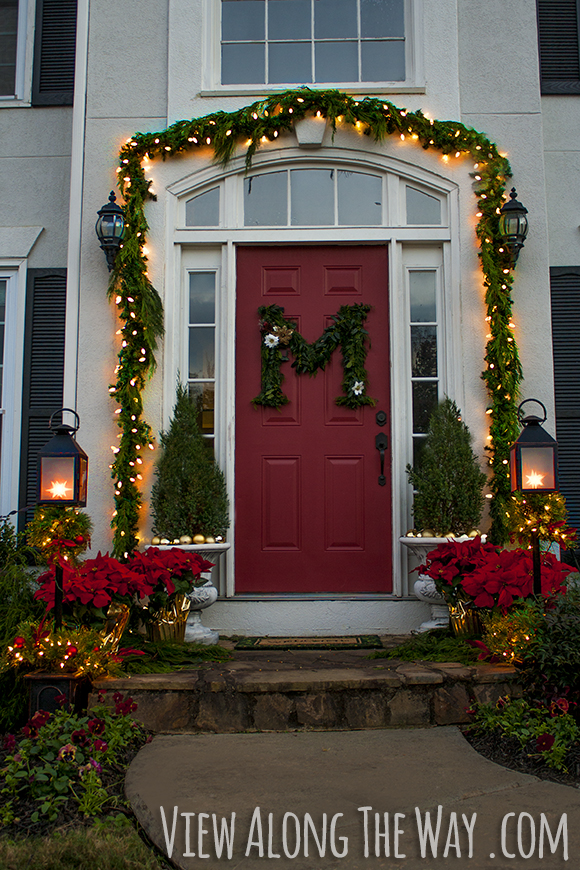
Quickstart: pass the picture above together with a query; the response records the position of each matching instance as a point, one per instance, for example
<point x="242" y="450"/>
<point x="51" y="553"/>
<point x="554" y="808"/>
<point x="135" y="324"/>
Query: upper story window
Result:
<point x="37" y="52"/>
<point x="8" y="47"/>
<point x="558" y="40"/>
<point x="286" y="42"/>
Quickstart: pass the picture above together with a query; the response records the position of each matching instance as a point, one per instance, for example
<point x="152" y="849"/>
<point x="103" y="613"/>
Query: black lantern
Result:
<point x="513" y="226"/>
<point x="63" y="467"/>
<point x="534" y="469"/>
<point x="110" y="229"/>
<point x="534" y="456"/>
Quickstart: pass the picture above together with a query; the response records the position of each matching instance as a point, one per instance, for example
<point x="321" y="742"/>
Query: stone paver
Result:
<point x="340" y="689"/>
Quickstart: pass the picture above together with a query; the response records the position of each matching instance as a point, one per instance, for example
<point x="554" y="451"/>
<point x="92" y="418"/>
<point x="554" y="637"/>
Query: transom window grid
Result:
<point x="424" y="344"/>
<point x="201" y="346"/>
<point x="314" y="197"/>
<point x="312" y="41"/>
<point x="317" y="196"/>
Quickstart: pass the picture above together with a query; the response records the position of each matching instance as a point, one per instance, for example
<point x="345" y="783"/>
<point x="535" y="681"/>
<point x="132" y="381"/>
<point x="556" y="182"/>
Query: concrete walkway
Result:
<point x="281" y="784"/>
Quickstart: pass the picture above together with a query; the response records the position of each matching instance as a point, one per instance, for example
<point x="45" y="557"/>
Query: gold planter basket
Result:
<point x="465" y="620"/>
<point x="169" y="622"/>
<point x="116" y="623"/>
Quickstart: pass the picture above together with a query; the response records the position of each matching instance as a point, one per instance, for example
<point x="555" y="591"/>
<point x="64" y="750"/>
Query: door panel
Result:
<point x="310" y="515"/>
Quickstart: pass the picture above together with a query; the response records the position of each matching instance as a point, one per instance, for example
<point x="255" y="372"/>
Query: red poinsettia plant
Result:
<point x="95" y="583"/>
<point x="487" y="576"/>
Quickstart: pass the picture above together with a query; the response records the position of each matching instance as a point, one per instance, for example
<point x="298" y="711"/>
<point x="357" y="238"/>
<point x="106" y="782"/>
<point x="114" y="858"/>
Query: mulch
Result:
<point x="508" y="752"/>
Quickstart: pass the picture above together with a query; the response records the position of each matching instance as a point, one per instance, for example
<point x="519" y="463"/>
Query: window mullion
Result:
<point x="359" y="40"/>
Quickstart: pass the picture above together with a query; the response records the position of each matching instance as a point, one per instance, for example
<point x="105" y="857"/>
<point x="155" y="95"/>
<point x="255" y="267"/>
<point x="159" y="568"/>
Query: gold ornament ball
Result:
<point x="176" y="541"/>
<point x="164" y="541"/>
<point x="410" y="533"/>
<point x="473" y="533"/>
<point x="185" y="539"/>
<point x="156" y="540"/>
<point x="198" y="539"/>
<point x="210" y="540"/>
<point x="428" y="533"/>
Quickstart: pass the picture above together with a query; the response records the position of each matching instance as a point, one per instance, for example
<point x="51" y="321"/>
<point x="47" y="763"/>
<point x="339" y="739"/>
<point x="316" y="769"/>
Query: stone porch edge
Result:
<point x="226" y="699"/>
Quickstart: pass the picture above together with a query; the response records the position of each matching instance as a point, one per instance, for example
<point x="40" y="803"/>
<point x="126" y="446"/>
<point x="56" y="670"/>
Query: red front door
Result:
<point x="310" y="515"/>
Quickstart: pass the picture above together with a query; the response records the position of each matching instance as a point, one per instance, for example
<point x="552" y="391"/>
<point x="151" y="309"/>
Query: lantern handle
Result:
<point x="521" y="418"/>
<point x="70" y="428"/>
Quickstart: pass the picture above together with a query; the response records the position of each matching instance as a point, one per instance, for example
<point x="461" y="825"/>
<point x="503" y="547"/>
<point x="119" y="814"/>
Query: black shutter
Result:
<point x="558" y="31"/>
<point x="54" y="53"/>
<point x="42" y="392"/>
<point x="565" y="282"/>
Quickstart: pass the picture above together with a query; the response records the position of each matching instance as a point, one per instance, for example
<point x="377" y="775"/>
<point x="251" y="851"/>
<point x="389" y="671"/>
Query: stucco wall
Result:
<point x="35" y="171"/>
<point x="152" y="76"/>
<point x="499" y="91"/>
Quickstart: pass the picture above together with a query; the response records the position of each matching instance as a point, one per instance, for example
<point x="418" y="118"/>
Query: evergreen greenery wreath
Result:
<point x="140" y="309"/>
<point x="347" y="330"/>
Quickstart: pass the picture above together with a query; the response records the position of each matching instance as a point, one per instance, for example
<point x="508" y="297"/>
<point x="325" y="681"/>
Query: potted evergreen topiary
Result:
<point x="448" y="480"/>
<point x="448" y="500"/>
<point x="190" y="503"/>
<point x="189" y="497"/>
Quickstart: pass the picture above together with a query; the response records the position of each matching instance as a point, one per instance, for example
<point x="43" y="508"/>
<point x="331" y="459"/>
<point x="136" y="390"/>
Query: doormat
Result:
<point x="358" y="641"/>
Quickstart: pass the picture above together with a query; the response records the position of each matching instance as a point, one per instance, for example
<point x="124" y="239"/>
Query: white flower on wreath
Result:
<point x="358" y="388"/>
<point x="271" y="340"/>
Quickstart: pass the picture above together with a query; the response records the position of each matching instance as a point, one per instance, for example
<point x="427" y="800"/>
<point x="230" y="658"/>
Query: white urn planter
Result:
<point x="424" y="587"/>
<point x="200" y="597"/>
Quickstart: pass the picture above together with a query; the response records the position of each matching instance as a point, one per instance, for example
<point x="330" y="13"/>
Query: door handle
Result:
<point x="381" y="443"/>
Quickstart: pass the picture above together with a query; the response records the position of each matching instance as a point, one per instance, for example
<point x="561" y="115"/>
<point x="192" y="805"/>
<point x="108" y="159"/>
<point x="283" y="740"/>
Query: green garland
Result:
<point x="347" y="330"/>
<point x="140" y="308"/>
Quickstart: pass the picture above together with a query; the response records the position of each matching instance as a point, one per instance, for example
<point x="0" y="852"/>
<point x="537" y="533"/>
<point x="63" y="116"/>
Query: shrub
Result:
<point x="189" y="496"/>
<point x="546" y="731"/>
<point x="551" y="664"/>
<point x="448" y="480"/>
<point x="17" y="604"/>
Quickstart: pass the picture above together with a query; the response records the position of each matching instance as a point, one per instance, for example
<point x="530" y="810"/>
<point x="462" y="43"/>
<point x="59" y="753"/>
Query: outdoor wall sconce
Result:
<point x="534" y="469"/>
<point x="110" y="229"/>
<point x="513" y="226"/>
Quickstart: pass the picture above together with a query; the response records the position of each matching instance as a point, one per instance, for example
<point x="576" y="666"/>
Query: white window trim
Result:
<point x="24" y="57"/>
<point x="15" y="276"/>
<point x="211" y="61"/>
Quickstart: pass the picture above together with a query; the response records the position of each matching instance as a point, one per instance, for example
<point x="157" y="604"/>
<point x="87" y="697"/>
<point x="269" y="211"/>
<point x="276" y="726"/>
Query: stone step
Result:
<point x="298" y="691"/>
